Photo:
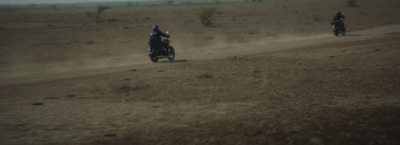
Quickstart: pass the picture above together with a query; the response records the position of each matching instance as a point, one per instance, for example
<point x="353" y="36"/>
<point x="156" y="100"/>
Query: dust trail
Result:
<point x="26" y="71"/>
<point x="281" y="42"/>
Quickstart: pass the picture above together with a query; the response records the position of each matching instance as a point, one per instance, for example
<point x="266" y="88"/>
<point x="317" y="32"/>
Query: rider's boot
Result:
<point x="344" y="29"/>
<point x="149" y="53"/>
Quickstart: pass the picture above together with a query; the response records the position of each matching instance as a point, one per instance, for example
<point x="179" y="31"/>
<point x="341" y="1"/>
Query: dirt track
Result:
<point x="115" y="64"/>
<point x="295" y="88"/>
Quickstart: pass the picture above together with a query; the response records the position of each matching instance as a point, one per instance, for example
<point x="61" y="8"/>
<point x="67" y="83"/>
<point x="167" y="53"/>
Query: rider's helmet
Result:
<point x="155" y="28"/>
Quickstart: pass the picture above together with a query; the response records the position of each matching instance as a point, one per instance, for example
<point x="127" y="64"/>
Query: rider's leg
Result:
<point x="344" y="28"/>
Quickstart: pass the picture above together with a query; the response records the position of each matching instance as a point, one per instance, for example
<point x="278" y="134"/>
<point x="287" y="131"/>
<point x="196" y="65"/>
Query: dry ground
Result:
<point x="268" y="73"/>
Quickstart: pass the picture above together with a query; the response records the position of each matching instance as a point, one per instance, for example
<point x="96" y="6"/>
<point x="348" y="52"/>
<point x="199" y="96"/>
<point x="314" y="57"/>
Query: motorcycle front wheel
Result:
<point x="171" y="53"/>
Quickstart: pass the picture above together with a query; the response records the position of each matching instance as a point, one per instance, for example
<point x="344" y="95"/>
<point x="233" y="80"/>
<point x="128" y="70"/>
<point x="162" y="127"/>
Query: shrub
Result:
<point x="129" y="4"/>
<point x="205" y="76"/>
<point x="207" y="16"/>
<point x="170" y="2"/>
<point x="90" y="42"/>
<point x="101" y="9"/>
<point x="88" y="14"/>
<point x="112" y="20"/>
<point x="317" y="18"/>
<point x="351" y="3"/>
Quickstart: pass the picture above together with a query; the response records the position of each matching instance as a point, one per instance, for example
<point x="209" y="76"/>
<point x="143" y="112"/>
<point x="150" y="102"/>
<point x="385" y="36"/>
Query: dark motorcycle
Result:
<point x="338" y="27"/>
<point x="165" y="51"/>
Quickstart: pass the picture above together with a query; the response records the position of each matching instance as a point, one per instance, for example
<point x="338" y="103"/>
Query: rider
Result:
<point x="155" y="38"/>
<point x="338" y="18"/>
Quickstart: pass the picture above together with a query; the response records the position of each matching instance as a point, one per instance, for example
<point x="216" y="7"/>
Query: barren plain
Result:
<point x="267" y="73"/>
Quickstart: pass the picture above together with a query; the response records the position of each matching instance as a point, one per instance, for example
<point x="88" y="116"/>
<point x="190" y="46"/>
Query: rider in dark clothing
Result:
<point x="338" y="19"/>
<point x="155" y="38"/>
<point x="338" y="16"/>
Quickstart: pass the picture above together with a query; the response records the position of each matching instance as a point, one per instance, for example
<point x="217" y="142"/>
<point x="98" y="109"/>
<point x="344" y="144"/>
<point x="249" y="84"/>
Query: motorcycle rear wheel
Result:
<point x="153" y="57"/>
<point x="336" y="32"/>
<point x="171" y="53"/>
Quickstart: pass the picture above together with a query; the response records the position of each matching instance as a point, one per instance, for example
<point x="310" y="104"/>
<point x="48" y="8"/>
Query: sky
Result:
<point x="2" y="2"/>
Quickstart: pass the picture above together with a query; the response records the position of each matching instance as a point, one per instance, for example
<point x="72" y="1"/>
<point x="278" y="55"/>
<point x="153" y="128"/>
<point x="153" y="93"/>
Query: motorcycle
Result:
<point x="338" y="27"/>
<point x="165" y="51"/>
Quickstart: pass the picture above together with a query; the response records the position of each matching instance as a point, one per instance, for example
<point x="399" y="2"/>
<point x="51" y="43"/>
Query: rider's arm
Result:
<point x="342" y="16"/>
<point x="163" y="34"/>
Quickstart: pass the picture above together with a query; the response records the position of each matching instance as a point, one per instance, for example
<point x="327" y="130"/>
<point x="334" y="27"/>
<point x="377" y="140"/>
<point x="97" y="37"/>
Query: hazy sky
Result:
<point x="56" y="1"/>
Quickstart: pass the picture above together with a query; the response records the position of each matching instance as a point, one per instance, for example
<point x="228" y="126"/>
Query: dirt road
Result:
<point x="32" y="73"/>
